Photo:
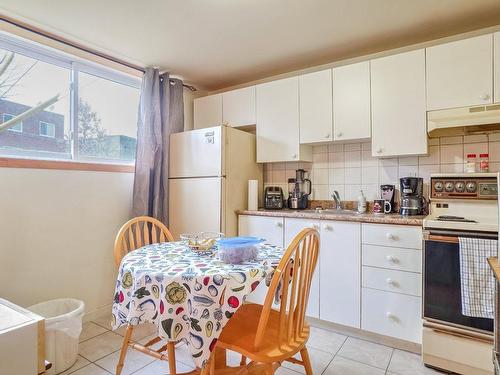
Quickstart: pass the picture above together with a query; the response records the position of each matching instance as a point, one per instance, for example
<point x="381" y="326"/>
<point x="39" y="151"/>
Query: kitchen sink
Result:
<point x="333" y="211"/>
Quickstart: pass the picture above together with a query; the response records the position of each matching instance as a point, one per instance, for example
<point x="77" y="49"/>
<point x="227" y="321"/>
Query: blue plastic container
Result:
<point x="237" y="250"/>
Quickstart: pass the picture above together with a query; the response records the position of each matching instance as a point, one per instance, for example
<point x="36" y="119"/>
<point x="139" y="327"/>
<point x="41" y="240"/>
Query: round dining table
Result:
<point x="189" y="296"/>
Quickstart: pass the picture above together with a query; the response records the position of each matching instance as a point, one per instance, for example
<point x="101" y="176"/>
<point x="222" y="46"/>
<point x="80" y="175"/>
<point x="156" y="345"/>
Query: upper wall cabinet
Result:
<point x="278" y="122"/>
<point x="459" y="74"/>
<point x="315" y="90"/>
<point x="496" y="68"/>
<point x="351" y="102"/>
<point x="208" y="111"/>
<point x="398" y="104"/>
<point x="238" y="107"/>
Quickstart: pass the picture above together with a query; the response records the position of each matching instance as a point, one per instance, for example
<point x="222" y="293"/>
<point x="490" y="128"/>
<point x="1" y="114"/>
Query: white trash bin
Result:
<point x="63" y="325"/>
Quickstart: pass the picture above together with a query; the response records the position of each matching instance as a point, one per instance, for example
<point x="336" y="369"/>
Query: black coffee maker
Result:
<point x="298" y="195"/>
<point x="412" y="196"/>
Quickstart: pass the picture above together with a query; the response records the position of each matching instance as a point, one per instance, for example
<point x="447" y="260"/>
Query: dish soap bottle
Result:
<point x="361" y="202"/>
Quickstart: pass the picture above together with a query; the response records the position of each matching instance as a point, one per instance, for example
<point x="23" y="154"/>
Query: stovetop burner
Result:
<point x="455" y="218"/>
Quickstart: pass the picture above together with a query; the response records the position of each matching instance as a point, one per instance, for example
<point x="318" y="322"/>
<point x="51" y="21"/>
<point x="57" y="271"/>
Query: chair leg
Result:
<point x="171" y="357"/>
<point x="123" y="352"/>
<point x="304" y="354"/>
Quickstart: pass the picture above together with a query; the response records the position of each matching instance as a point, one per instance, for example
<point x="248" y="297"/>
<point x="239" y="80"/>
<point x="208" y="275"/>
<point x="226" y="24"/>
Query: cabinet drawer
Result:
<point x="269" y="228"/>
<point x="392" y="257"/>
<point x="392" y="235"/>
<point x="392" y="281"/>
<point x="392" y="314"/>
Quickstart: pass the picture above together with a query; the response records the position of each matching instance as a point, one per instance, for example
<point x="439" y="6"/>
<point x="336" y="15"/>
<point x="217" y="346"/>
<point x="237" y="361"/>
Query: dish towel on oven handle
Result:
<point x="478" y="282"/>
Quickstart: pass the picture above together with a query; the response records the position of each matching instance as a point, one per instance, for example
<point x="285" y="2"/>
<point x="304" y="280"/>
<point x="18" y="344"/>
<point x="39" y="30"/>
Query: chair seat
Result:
<point x="239" y="335"/>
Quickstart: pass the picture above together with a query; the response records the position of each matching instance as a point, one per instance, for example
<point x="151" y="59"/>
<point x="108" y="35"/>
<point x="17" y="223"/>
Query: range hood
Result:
<point x="463" y="121"/>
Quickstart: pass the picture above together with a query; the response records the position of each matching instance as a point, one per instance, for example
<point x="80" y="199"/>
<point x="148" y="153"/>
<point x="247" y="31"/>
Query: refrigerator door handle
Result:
<point x="210" y="137"/>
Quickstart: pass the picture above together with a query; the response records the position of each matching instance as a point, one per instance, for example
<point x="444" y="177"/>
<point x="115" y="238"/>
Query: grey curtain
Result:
<point x="161" y="113"/>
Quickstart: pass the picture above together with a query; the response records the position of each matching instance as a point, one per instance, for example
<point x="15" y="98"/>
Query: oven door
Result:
<point x="442" y="281"/>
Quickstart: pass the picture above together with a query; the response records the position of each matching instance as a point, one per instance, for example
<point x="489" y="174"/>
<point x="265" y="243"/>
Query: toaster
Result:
<point x="273" y="198"/>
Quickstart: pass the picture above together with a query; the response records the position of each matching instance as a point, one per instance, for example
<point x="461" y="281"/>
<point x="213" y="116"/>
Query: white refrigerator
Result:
<point x="208" y="179"/>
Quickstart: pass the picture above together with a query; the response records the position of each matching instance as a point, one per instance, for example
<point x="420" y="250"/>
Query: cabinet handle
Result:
<point x="379" y="151"/>
<point x="294" y="156"/>
<point x="339" y="134"/>
<point x="391" y="258"/>
<point x="327" y="135"/>
<point x="391" y="282"/>
<point x="391" y="316"/>
<point x="485" y="97"/>
<point x="327" y="227"/>
<point x="315" y="226"/>
<point x="279" y="224"/>
<point x="390" y="236"/>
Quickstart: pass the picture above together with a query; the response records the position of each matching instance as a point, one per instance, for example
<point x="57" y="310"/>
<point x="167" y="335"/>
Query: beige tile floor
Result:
<point x="331" y="354"/>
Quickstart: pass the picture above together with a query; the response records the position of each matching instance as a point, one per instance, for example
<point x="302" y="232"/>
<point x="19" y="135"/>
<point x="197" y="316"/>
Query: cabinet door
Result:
<point x="208" y="111"/>
<point x="270" y="228"/>
<point x="351" y="102"/>
<point x="496" y="68"/>
<point x="292" y="228"/>
<point x="399" y="124"/>
<point x="340" y="273"/>
<point x="315" y="91"/>
<point x="238" y="107"/>
<point x="460" y="73"/>
<point x="278" y="122"/>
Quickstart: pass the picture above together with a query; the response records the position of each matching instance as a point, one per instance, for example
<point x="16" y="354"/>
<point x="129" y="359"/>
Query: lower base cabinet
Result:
<point x="368" y="276"/>
<point x="392" y="314"/>
<point x="340" y="279"/>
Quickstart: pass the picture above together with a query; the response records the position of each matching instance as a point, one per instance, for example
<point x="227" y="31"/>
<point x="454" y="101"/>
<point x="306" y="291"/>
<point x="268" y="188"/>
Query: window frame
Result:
<point x="75" y="66"/>
<point x="12" y="128"/>
<point x="46" y="135"/>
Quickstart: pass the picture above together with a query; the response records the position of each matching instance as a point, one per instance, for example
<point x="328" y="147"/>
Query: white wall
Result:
<point x="57" y="229"/>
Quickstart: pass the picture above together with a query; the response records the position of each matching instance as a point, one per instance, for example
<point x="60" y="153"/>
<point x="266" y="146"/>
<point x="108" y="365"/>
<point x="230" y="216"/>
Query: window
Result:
<point x="18" y="128"/>
<point x="47" y="129"/>
<point x="77" y="110"/>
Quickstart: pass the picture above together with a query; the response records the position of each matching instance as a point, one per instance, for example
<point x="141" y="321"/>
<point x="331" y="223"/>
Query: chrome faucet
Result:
<point x="336" y="198"/>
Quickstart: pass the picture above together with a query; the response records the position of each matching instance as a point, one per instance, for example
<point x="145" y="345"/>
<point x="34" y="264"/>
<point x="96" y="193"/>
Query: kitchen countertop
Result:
<point x="354" y="217"/>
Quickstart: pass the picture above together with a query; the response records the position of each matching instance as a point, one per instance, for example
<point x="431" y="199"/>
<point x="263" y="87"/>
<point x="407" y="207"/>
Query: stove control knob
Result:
<point x="438" y="186"/>
<point x="460" y="187"/>
<point x="449" y="186"/>
<point x="471" y="187"/>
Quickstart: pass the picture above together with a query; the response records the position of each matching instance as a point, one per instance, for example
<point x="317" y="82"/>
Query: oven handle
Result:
<point x="433" y="237"/>
<point x="452" y="236"/>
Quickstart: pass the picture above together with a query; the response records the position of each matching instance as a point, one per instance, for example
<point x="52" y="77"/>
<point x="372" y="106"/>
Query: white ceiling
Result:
<point x="220" y="43"/>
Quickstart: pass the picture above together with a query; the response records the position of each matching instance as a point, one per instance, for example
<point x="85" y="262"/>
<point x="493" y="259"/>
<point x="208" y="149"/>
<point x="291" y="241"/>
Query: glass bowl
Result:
<point x="201" y="241"/>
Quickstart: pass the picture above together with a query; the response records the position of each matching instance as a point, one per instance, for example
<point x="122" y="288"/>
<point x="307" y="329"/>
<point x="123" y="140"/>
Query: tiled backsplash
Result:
<point x="350" y="167"/>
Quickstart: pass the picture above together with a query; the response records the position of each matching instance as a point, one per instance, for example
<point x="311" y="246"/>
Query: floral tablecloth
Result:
<point x="188" y="296"/>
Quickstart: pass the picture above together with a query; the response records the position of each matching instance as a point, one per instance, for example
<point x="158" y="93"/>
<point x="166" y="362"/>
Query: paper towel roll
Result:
<point x="253" y="194"/>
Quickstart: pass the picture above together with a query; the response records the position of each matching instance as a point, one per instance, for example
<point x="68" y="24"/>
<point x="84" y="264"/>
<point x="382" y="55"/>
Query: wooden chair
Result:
<point x="270" y="336"/>
<point x="135" y="233"/>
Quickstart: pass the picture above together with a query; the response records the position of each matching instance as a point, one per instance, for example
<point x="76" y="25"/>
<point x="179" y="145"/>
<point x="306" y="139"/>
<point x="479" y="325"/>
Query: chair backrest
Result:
<point x="291" y="282"/>
<point x="137" y="232"/>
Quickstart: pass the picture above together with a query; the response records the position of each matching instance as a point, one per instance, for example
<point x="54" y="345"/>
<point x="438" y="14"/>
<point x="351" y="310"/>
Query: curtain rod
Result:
<point x="76" y="45"/>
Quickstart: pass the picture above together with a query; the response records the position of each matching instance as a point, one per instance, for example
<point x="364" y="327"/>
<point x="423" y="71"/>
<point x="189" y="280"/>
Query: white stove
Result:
<point x="461" y="206"/>
<point x="463" y="202"/>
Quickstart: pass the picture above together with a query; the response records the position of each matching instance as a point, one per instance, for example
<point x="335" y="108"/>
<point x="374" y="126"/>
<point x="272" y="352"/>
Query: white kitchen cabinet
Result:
<point x="315" y="93"/>
<point x="392" y="314"/>
<point x="459" y="74"/>
<point x="351" y="102"/>
<point x="238" y="107"/>
<point x="292" y="228"/>
<point x="208" y="111"/>
<point x="340" y="279"/>
<point x="496" y="66"/>
<point x="278" y="122"/>
<point x="270" y="228"/>
<point x="398" y="105"/>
